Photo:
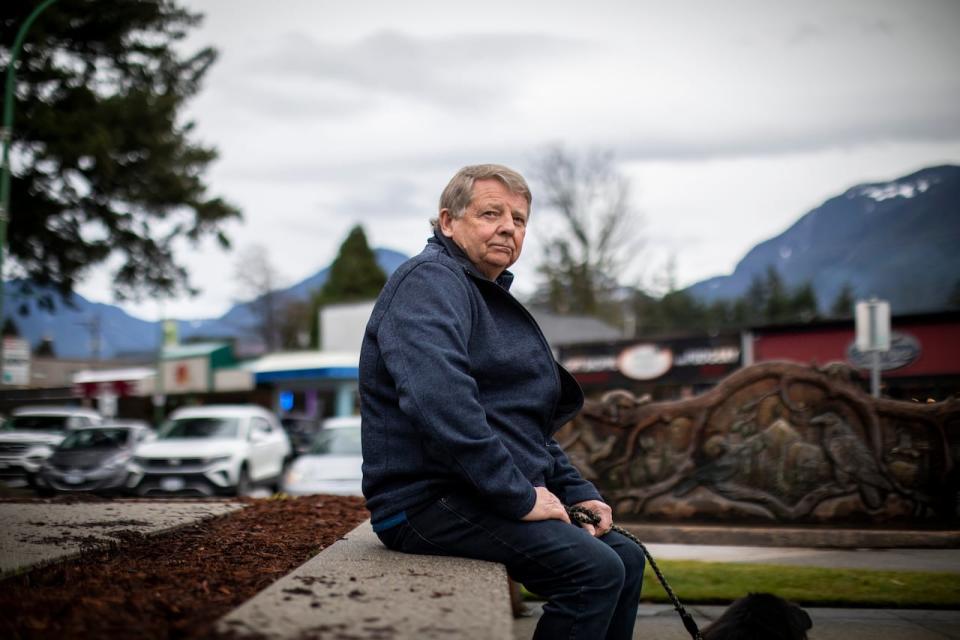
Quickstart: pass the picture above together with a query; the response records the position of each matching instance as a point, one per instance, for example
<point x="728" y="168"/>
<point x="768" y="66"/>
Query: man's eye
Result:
<point x="520" y="222"/>
<point x="491" y="214"/>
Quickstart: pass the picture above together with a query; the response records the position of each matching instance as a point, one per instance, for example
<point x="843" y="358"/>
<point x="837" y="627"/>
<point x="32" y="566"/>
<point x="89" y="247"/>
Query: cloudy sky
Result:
<point x="731" y="119"/>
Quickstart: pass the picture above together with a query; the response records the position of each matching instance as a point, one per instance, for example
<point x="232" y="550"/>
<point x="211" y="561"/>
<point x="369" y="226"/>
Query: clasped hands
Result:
<point x="549" y="507"/>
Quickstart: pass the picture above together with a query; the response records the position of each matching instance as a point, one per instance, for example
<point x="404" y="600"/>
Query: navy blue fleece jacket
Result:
<point x="459" y="391"/>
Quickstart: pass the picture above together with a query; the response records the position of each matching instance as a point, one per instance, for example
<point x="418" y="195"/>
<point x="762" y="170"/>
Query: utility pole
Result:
<point x="93" y="325"/>
<point x="6" y="134"/>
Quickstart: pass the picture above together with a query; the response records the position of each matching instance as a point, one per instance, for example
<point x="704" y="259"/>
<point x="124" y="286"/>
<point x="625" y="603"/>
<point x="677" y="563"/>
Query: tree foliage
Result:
<point x="768" y="300"/>
<point x="842" y="305"/>
<point x="102" y="161"/>
<point x="587" y="255"/>
<point x="354" y="276"/>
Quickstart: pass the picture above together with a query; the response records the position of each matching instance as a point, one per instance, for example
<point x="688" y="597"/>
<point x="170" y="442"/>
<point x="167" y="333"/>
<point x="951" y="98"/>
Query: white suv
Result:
<point x="212" y="450"/>
<point x="29" y="435"/>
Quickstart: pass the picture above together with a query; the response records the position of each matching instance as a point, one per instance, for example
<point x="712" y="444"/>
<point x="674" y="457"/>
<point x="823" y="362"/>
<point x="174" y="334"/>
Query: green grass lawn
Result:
<point x="720" y="583"/>
<point x="714" y="582"/>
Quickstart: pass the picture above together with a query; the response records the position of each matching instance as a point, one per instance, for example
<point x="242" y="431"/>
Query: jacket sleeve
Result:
<point x="423" y="338"/>
<point x="566" y="482"/>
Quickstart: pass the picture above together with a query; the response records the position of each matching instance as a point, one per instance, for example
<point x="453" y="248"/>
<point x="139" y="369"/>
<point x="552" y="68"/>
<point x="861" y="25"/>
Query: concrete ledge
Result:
<point x="760" y="536"/>
<point x="357" y="588"/>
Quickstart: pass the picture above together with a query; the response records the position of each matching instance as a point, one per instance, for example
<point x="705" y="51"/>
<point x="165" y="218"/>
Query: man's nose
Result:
<point x="506" y="225"/>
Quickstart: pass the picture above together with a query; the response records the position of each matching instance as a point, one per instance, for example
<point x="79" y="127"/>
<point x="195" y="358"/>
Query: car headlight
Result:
<point x="210" y="462"/>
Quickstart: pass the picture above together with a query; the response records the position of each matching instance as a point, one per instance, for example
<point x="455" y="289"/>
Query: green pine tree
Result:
<point x="104" y="165"/>
<point x="354" y="276"/>
<point x="842" y="305"/>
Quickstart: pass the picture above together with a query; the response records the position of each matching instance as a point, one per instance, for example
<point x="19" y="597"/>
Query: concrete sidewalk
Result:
<point x="661" y="622"/>
<point x="877" y="559"/>
<point x="35" y="533"/>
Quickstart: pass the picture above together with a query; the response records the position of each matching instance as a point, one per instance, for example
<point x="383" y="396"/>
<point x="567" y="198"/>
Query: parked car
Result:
<point x="301" y="431"/>
<point x="91" y="459"/>
<point x="212" y="450"/>
<point x="30" y="434"/>
<point x="333" y="463"/>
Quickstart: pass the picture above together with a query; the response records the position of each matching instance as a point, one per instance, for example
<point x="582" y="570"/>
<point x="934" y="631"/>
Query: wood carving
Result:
<point x="776" y="441"/>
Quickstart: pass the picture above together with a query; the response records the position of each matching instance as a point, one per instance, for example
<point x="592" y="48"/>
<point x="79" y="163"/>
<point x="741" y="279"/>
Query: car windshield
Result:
<point x="55" y="424"/>
<point x="200" y="428"/>
<point x="96" y="439"/>
<point x="344" y="441"/>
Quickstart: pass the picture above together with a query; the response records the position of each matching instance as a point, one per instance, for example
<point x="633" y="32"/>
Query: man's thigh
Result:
<point x="461" y="526"/>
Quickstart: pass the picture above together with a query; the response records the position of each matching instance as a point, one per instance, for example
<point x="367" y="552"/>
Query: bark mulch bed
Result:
<point x="176" y="584"/>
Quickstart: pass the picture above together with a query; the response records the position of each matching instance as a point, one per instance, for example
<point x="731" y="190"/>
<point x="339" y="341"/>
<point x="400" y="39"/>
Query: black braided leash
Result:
<point x="581" y="516"/>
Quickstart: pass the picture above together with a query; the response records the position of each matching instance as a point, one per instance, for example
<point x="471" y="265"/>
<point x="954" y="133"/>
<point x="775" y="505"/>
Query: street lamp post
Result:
<point x="6" y="133"/>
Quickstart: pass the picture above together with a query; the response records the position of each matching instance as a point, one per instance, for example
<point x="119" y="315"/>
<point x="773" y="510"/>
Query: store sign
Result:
<point x="590" y="364"/>
<point x="904" y="350"/>
<point x="645" y="361"/>
<point x="186" y="375"/>
<point x="16" y="361"/>
<point x="713" y="355"/>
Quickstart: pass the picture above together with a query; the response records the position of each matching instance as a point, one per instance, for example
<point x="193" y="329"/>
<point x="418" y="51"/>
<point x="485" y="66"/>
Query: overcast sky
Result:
<point x="731" y="119"/>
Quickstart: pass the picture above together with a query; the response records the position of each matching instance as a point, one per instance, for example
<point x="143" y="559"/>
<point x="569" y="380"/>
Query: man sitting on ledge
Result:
<point x="460" y="396"/>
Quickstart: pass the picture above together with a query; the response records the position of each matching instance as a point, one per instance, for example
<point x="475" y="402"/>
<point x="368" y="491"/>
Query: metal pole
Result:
<point x="875" y="373"/>
<point x="6" y="133"/>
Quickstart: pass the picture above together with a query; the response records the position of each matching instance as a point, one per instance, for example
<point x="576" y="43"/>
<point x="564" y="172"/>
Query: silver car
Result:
<point x="333" y="463"/>
<point x="92" y="459"/>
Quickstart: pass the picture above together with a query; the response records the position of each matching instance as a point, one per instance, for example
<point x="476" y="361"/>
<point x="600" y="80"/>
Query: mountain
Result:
<point x="122" y="334"/>
<point x="898" y="240"/>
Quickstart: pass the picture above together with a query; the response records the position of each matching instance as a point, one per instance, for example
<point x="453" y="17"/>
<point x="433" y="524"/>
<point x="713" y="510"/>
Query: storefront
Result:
<point x="923" y="361"/>
<point x="666" y="368"/>
<point x="310" y="384"/>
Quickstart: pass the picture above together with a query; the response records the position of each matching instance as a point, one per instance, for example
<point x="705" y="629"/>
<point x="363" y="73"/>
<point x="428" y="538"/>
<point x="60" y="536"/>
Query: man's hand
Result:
<point x="603" y="510"/>
<point x="547" y="507"/>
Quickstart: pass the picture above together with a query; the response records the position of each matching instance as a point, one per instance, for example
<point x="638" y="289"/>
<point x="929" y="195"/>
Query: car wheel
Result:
<point x="243" y="482"/>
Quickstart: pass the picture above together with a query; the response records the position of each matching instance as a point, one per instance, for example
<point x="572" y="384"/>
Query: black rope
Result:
<point x="581" y="516"/>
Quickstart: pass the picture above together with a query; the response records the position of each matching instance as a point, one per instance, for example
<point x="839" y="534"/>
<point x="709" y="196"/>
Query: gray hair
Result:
<point x="458" y="193"/>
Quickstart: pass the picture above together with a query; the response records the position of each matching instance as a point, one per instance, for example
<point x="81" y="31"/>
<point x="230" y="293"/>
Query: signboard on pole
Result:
<point x="873" y="325"/>
<point x="873" y="335"/>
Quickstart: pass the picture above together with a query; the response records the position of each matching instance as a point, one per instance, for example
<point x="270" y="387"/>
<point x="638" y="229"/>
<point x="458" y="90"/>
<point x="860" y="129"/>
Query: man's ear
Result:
<point x="445" y="220"/>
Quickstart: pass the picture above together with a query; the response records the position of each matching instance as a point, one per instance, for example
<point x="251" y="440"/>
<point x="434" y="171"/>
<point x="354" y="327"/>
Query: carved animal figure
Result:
<point x="760" y="616"/>
<point x="853" y="463"/>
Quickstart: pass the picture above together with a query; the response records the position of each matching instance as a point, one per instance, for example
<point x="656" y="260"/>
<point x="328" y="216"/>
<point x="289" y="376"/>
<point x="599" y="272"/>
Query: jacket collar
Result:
<point x="505" y="279"/>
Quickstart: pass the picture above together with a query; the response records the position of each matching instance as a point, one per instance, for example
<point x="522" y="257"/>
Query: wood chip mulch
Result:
<point x="176" y="584"/>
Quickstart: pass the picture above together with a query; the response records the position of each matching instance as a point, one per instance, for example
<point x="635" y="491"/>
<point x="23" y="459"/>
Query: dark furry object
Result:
<point x="760" y="616"/>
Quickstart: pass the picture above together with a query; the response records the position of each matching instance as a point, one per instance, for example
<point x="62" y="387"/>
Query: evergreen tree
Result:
<point x="45" y="349"/>
<point x="842" y="305"/>
<point x="803" y="303"/>
<point x="953" y="300"/>
<point x="10" y="328"/>
<point x="102" y="163"/>
<point x="354" y="276"/>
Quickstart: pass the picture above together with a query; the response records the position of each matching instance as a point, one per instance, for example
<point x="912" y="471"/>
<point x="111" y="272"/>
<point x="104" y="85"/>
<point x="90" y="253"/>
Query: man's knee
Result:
<point x="607" y="570"/>
<point x="633" y="561"/>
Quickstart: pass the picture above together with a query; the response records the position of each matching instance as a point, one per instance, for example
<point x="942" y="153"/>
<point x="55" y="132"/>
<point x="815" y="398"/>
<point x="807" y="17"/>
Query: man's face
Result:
<point x="491" y="230"/>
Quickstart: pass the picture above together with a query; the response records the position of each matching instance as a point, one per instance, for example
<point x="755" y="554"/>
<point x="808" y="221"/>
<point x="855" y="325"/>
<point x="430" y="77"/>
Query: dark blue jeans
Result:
<point x="592" y="584"/>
